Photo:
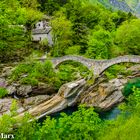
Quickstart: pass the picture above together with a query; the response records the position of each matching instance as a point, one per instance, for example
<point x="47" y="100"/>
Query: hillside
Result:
<point x="124" y="5"/>
<point x="135" y="5"/>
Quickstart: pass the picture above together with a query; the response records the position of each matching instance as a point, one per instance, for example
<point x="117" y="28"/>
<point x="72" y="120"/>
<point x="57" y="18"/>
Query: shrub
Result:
<point x="3" y="92"/>
<point x="113" y="71"/>
<point x="129" y="86"/>
<point x="13" y="44"/>
<point x="126" y="126"/>
<point x="109" y="75"/>
<point x="44" y="44"/>
<point x="73" y="50"/>
<point x="29" y="81"/>
<point x="82" y="124"/>
<point x="33" y="73"/>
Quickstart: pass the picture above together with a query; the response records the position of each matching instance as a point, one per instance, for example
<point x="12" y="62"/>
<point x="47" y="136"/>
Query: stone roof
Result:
<point x="41" y="31"/>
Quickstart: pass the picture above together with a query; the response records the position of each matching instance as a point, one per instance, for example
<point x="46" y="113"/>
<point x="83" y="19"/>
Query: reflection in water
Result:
<point x="109" y="115"/>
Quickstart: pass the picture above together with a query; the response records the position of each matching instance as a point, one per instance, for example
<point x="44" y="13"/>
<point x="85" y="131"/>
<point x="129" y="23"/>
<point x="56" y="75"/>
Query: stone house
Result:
<point x="42" y="31"/>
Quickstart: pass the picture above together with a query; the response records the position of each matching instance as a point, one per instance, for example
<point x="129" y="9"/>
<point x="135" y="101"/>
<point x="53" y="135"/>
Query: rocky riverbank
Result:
<point x="43" y="100"/>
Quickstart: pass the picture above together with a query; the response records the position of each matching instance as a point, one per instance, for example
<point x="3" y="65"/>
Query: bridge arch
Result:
<point x="59" y="60"/>
<point x="122" y="59"/>
<point x="98" y="66"/>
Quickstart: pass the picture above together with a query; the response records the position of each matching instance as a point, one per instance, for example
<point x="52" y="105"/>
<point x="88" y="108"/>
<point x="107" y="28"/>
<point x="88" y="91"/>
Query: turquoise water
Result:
<point x="57" y="115"/>
<point x="111" y="114"/>
<point x="108" y="115"/>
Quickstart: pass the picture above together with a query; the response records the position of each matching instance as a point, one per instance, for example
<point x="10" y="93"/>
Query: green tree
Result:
<point x="33" y="4"/>
<point x="61" y="30"/>
<point x="51" y="6"/>
<point x="99" y="44"/>
<point x="14" y="39"/>
<point x="128" y="37"/>
<point x="75" y="50"/>
<point x="82" y="124"/>
<point x="126" y="126"/>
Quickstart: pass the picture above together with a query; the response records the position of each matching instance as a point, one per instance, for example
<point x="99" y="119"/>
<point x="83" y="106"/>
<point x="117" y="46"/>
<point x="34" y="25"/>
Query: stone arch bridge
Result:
<point x="97" y="66"/>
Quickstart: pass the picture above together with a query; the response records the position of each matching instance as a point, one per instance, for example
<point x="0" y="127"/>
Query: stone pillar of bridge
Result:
<point x="97" y="68"/>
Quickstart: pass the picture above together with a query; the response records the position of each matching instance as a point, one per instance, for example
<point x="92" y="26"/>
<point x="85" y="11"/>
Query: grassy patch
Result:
<point x="3" y="92"/>
<point x="116" y="70"/>
<point x="33" y="72"/>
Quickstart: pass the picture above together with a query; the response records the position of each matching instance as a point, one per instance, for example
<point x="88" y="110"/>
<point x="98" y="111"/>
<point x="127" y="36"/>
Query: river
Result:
<point x="107" y="115"/>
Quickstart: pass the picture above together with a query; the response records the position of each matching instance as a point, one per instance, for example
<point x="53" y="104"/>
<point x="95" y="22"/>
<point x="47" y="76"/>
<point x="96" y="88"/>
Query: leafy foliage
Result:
<point x="83" y="124"/>
<point x="14" y="40"/>
<point x="129" y="86"/>
<point x="61" y="33"/>
<point x="116" y="70"/>
<point x="99" y="44"/>
<point x="121" y="128"/>
<point x="93" y="31"/>
<point x="33" y="72"/>
<point x="130" y="41"/>
<point x="3" y="92"/>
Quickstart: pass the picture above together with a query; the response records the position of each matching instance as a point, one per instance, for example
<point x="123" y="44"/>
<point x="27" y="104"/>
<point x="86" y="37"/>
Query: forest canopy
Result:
<point x="83" y="27"/>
